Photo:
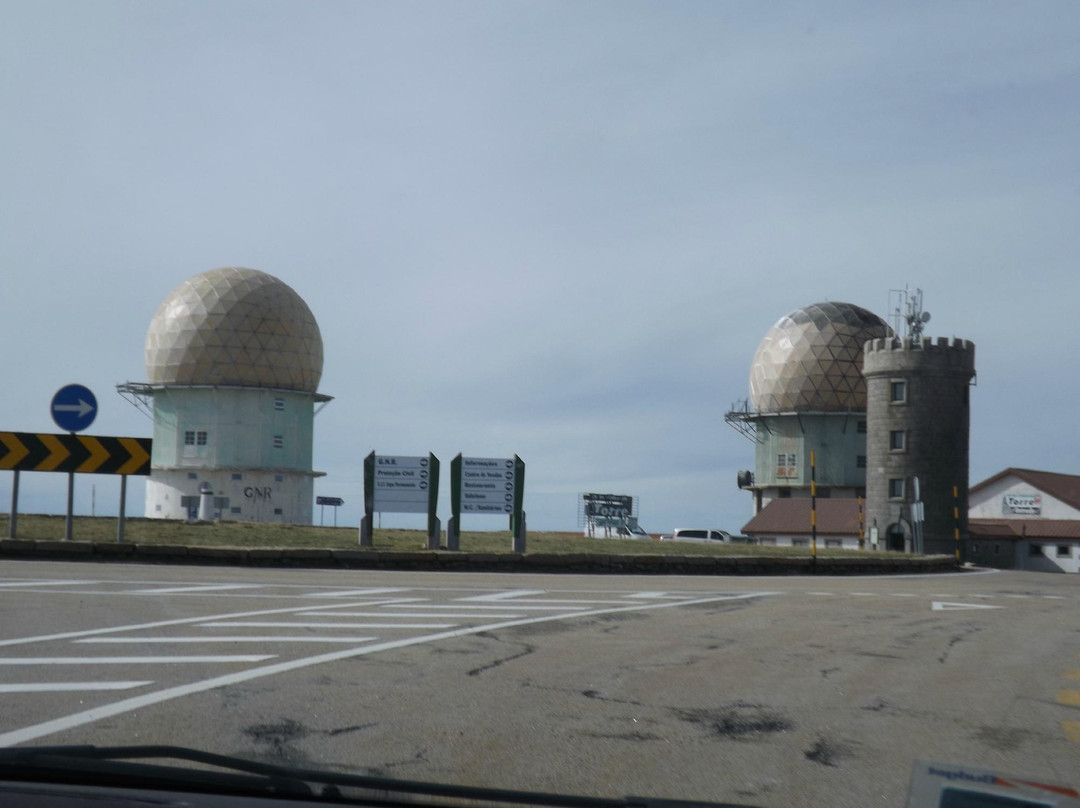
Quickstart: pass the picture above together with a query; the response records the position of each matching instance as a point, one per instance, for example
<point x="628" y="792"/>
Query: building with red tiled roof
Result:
<point x="1026" y="519"/>
<point x="787" y="523"/>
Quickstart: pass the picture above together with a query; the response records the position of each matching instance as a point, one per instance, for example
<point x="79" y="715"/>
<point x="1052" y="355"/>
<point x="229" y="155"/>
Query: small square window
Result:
<point x="800" y="542"/>
<point x="860" y="427"/>
<point x="279" y="404"/>
<point x="189" y="437"/>
<point x="277" y="511"/>
<point x="896" y="488"/>
<point x="157" y="508"/>
<point x="897" y="440"/>
<point x="234" y="509"/>
<point x="279" y="478"/>
<point x="279" y="441"/>
<point x="200" y="438"/>
<point x="784" y="493"/>
<point x="238" y="476"/>
<point x="860" y="461"/>
<point x="1064" y="551"/>
<point x="897" y="392"/>
<point x="834" y="544"/>
<point x="191" y="475"/>
<point x="781" y="459"/>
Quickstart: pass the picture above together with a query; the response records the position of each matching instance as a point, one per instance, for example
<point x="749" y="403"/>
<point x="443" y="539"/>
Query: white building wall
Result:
<point x="1048" y="555"/>
<point x="823" y="542"/>
<point x="241" y="496"/>
<point x="989" y="502"/>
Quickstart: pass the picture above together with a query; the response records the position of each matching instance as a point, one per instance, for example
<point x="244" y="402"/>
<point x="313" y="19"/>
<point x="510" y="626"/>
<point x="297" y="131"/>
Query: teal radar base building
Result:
<point x="233" y="358"/>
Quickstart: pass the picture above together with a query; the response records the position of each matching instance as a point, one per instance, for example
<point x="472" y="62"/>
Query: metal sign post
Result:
<point x="401" y="484"/>
<point x="491" y="485"/>
<point x="333" y="502"/>
<point x="73" y="408"/>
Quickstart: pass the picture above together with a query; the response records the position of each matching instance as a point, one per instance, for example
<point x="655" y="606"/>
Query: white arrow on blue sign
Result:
<point x="73" y="408"/>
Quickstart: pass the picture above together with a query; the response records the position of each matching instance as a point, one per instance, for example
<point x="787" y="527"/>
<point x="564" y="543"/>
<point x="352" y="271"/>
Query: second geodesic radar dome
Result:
<point x="811" y="360"/>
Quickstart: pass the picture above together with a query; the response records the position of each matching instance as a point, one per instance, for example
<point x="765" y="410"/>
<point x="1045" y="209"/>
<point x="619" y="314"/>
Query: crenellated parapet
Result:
<point x="896" y="355"/>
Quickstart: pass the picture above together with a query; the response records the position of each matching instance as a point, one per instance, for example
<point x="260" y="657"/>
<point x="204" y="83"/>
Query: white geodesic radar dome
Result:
<point x="811" y="360"/>
<point x="235" y="326"/>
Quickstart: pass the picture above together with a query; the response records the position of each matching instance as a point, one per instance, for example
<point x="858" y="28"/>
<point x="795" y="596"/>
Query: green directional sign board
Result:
<point x="487" y="485"/>
<point x="401" y="484"/>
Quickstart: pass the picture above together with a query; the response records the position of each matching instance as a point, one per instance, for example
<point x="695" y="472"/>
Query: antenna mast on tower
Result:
<point x="907" y="306"/>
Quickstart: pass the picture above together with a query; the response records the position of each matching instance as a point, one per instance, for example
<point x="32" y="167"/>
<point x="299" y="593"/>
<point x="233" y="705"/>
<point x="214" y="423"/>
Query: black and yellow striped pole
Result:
<point x="861" y="534"/>
<point x="956" y="518"/>
<point x="813" y="507"/>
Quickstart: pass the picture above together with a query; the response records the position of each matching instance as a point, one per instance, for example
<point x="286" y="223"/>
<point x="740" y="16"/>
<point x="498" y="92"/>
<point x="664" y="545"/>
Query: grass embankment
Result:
<point x="249" y="534"/>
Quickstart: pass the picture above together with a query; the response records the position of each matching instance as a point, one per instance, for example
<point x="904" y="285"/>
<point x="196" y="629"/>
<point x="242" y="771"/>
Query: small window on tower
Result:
<point x="898" y="392"/>
<point x="279" y="404"/>
<point x="279" y="441"/>
<point x="200" y="438"/>
<point x="189" y="437"/>
<point x="897" y="440"/>
<point x="861" y="427"/>
<point x="860" y="461"/>
<point x="896" y="488"/>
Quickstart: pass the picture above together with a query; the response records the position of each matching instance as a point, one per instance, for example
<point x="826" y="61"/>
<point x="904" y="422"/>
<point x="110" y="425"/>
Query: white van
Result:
<point x="684" y="534"/>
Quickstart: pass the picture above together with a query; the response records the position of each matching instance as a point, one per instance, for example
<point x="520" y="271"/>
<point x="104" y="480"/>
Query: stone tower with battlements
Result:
<point x="918" y="408"/>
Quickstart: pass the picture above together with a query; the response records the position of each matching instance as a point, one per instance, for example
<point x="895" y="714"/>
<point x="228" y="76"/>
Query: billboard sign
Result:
<point x="614" y="507"/>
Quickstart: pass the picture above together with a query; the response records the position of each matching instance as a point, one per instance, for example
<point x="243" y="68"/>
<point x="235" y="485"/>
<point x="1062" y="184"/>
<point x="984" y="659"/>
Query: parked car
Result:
<point x="694" y="534"/>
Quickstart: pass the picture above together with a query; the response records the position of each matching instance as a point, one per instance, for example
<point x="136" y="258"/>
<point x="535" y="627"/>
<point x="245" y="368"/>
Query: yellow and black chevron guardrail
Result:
<point x="90" y="454"/>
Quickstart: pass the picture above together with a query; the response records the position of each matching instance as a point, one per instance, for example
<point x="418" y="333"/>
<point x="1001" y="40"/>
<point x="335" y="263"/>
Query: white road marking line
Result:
<point x="269" y="638"/>
<point x="67" y="722"/>
<point x="136" y="660"/>
<point x="511" y="605"/>
<point x="938" y="606"/>
<point x="180" y="590"/>
<point x="1019" y="597"/>
<point x="246" y="624"/>
<point x="984" y="597"/>
<point x="54" y="687"/>
<point x="902" y="595"/>
<point x="821" y="593"/>
<point x="1054" y="597"/>
<point x="355" y="593"/>
<point x="587" y="601"/>
<point x="18" y="584"/>
<point x="67" y="635"/>
<point x="863" y="594"/>
<point x="443" y="615"/>
<point x="506" y="595"/>
<point x="650" y="595"/>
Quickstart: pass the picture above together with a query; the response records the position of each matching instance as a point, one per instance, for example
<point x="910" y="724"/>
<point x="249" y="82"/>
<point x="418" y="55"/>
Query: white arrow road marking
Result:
<point x="944" y="606"/>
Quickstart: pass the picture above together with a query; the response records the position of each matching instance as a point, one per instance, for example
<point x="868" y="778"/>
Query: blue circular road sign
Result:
<point x="73" y="408"/>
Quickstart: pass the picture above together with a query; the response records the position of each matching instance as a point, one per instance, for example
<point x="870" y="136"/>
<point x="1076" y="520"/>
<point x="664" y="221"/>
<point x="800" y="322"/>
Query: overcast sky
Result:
<point x="555" y="229"/>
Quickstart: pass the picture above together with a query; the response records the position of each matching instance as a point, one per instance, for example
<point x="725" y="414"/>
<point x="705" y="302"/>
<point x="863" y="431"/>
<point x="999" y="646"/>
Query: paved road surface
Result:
<point x="764" y="691"/>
